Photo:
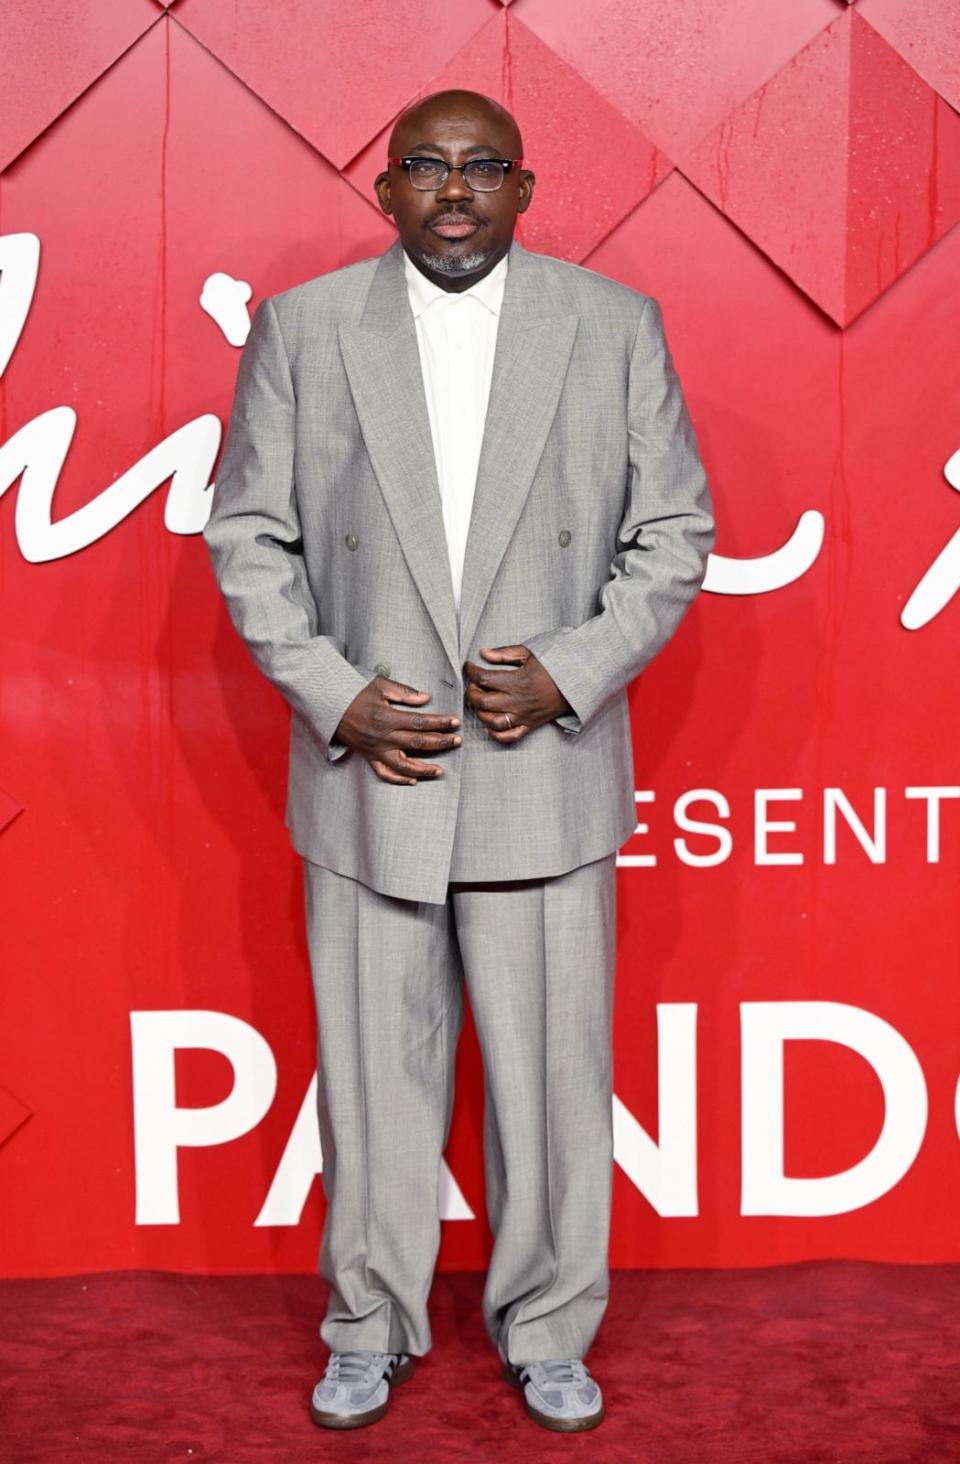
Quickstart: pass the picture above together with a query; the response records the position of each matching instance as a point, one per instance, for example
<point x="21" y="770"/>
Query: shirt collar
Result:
<point x="423" y="292"/>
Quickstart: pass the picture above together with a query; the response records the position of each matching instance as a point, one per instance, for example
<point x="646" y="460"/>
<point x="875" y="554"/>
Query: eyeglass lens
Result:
<point x="483" y="175"/>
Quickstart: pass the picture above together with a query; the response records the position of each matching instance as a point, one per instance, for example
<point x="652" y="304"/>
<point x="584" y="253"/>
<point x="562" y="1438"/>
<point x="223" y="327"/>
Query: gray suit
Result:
<point x="590" y="529"/>
<point x="588" y="540"/>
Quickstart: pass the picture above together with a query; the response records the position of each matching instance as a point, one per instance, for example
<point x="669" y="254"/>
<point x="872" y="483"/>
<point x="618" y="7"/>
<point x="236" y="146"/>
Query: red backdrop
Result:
<point x="786" y="181"/>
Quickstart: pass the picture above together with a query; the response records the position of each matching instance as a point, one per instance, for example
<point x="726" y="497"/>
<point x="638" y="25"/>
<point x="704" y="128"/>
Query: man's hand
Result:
<point x="512" y="703"/>
<point x="385" y="735"/>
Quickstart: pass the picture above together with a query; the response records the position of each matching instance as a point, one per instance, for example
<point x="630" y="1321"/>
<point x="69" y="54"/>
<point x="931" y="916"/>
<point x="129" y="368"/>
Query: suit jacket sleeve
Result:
<point x="254" y="538"/>
<point x="663" y="541"/>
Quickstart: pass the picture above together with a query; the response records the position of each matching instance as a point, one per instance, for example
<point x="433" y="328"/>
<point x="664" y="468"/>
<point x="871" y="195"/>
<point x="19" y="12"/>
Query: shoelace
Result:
<point x="349" y="1367"/>
<point x="560" y="1370"/>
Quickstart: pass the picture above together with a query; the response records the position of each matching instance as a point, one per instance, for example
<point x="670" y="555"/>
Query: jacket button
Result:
<point x="382" y="669"/>
<point x="351" y="541"/>
<point x="564" y="537"/>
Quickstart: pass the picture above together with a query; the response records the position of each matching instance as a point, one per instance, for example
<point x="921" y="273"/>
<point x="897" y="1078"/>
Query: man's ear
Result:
<point x="381" y="185"/>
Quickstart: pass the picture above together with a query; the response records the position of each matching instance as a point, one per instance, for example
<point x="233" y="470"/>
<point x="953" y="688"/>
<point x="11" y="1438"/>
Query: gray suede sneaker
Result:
<point x="558" y="1393"/>
<point x="355" y="1389"/>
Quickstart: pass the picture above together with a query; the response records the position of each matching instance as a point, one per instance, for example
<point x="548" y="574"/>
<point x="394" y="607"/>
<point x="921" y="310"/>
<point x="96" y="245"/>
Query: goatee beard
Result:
<point x="452" y="264"/>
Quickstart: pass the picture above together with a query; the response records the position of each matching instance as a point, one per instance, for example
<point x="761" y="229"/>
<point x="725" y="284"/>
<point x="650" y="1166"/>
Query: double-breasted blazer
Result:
<point x="590" y="530"/>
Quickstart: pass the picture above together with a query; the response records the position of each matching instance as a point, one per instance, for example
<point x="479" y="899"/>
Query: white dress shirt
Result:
<point x="457" y="337"/>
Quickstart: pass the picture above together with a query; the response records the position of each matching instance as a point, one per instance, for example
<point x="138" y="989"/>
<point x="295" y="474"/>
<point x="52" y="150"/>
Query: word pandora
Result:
<point x="664" y="1172"/>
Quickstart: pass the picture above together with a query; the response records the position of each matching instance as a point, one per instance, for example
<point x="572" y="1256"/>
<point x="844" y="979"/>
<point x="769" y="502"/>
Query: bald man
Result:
<point x="460" y="508"/>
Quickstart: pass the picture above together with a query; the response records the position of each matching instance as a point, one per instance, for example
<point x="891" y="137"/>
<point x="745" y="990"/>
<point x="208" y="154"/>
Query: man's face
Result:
<point x="453" y="234"/>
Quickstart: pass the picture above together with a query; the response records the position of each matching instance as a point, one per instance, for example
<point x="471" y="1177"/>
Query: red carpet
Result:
<point x="830" y="1360"/>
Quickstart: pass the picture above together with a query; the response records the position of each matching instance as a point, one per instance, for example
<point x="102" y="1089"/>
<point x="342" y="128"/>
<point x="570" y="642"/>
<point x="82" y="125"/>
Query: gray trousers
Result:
<point x="537" y="957"/>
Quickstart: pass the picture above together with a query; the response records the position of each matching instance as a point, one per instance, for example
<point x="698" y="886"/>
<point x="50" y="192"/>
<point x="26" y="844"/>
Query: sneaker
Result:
<point x="355" y="1389"/>
<point x="558" y="1393"/>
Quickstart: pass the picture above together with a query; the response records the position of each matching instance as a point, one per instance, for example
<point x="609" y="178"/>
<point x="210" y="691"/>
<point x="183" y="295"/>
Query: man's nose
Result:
<point x="455" y="189"/>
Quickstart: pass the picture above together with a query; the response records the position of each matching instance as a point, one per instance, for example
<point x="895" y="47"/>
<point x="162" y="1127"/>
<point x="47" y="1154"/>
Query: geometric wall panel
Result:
<point x="593" y="166"/>
<point x="51" y="53"/>
<point x="677" y="70"/>
<point x="928" y="36"/>
<point x="151" y="870"/>
<point x="844" y="168"/>
<point x="13" y="1115"/>
<point x="9" y="808"/>
<point x="336" y="71"/>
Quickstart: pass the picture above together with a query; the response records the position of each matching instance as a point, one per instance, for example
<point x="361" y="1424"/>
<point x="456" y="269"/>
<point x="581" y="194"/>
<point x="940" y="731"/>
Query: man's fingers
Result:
<point x="489" y="675"/>
<point x="425" y="722"/>
<point x="387" y="774"/>
<point x="401" y="692"/>
<point x="511" y="734"/>
<point x="413" y="765"/>
<point x="504" y="653"/>
<point x="494" y="704"/>
<point x="501" y="721"/>
<point x="398" y="768"/>
<point x="491" y="688"/>
<point x="423" y="741"/>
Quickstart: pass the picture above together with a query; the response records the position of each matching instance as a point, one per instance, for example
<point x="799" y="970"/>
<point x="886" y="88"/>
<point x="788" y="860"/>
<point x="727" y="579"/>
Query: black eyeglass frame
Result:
<point x="506" y="163"/>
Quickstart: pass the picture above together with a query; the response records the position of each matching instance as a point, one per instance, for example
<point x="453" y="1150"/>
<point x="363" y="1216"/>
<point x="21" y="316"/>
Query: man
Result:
<point x="460" y="507"/>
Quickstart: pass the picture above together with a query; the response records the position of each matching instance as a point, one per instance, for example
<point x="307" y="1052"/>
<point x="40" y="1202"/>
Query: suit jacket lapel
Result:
<point x="382" y="360"/>
<point x="534" y="341"/>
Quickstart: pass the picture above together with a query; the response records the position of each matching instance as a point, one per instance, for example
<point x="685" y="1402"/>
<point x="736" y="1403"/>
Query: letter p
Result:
<point x="160" y="1128"/>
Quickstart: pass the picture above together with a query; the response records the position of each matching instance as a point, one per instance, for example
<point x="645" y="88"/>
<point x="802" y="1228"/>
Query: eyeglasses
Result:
<point x="481" y="175"/>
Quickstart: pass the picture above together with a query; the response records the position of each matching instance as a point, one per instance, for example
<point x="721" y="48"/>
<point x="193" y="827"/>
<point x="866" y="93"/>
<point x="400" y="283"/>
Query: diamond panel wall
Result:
<point x="785" y="180"/>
